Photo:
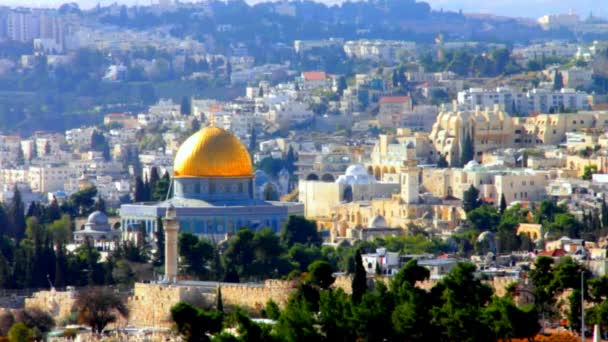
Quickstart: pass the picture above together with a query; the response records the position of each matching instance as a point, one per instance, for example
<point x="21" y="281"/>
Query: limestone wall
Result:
<point x="57" y="303"/>
<point x="151" y="303"/>
<point x="254" y="297"/>
<point x="344" y="282"/>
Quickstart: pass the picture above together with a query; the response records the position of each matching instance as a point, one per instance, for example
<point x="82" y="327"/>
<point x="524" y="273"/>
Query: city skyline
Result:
<point x="513" y="8"/>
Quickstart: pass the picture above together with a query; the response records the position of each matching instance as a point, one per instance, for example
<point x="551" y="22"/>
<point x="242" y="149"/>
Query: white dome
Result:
<point x="378" y="221"/>
<point x="355" y="170"/>
<point x="356" y="174"/>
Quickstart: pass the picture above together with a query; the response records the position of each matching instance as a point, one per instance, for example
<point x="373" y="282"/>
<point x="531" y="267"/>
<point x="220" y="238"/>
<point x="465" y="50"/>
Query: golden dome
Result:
<point x="212" y="152"/>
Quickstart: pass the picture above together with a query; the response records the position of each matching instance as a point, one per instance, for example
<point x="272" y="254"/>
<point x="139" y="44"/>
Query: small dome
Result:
<point x="355" y="170"/>
<point x="378" y="221"/>
<point x="471" y="164"/>
<point x="97" y="218"/>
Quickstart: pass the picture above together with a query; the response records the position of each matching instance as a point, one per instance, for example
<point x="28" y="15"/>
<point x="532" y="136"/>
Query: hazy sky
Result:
<point x="524" y="8"/>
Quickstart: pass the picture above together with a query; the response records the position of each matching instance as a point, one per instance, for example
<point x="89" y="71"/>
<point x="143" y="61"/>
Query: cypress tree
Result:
<point x="503" y="203"/>
<point x="604" y="213"/>
<point x="359" y="284"/>
<point x="139" y="194"/>
<point x="52" y="212"/>
<point x="219" y="304"/>
<point x="290" y="160"/>
<point x="154" y="177"/>
<point x="60" y="266"/>
<point x="47" y="148"/>
<point x="17" y="215"/>
<point x="467" y="152"/>
<point x="253" y="144"/>
<point x="4" y="221"/>
<point x="470" y="199"/>
<point x="5" y="272"/>
<point x="186" y="106"/>
<point x="558" y="80"/>
<point x="100" y="204"/>
<point x="20" y="159"/>
<point x="34" y="153"/>
<point x="159" y="256"/>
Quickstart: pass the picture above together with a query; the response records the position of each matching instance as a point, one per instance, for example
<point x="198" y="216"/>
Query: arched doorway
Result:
<point x="312" y="176"/>
<point x="328" y="177"/>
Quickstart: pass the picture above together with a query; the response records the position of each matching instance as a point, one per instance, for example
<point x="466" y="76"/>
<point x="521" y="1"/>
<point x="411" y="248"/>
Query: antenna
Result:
<point x="169" y="189"/>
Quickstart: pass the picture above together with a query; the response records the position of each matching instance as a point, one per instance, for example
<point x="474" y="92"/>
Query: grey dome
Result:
<point x="98" y="218"/>
<point x="378" y="221"/>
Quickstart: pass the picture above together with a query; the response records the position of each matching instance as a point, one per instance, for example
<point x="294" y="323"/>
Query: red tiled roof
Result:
<point x="554" y="253"/>
<point x="314" y="75"/>
<point x="395" y="99"/>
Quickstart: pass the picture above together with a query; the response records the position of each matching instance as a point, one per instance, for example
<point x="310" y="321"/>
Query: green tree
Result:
<point x="467" y="149"/>
<point x="196" y="254"/>
<point x="300" y="230"/>
<point x="159" y="255"/>
<point x="195" y="324"/>
<point x="84" y="200"/>
<point x="336" y="316"/>
<point x="503" y="203"/>
<point x="558" y="80"/>
<point x="219" y="303"/>
<point x="359" y="284"/>
<point x="507" y="321"/>
<point x="463" y="297"/>
<point x="484" y="218"/>
<point x="139" y="194"/>
<point x="16" y="213"/>
<point x="97" y="307"/>
<point x="320" y="274"/>
<point x="589" y="171"/>
<point x="297" y="322"/>
<point x="541" y="276"/>
<point x="19" y="332"/>
<point x="470" y="199"/>
<point x="160" y="191"/>
<point x="373" y="315"/>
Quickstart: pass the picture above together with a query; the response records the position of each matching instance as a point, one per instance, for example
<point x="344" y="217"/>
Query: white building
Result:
<point x="533" y="101"/>
<point x="378" y="50"/>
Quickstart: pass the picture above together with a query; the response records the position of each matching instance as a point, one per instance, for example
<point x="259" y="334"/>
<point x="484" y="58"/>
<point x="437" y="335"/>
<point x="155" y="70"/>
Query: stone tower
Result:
<point x="171" y="225"/>
<point x="408" y="178"/>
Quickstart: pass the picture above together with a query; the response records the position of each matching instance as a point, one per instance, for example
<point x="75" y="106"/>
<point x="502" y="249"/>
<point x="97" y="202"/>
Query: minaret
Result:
<point x="171" y="226"/>
<point x="408" y="177"/>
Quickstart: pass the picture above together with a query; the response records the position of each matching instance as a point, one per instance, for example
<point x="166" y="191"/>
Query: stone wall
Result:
<point x="254" y="297"/>
<point x="151" y="303"/>
<point x="344" y="282"/>
<point x="57" y="303"/>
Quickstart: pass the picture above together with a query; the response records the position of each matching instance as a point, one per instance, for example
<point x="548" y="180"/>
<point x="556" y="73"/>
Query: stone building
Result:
<point x="355" y="184"/>
<point x="493" y="129"/>
<point x="213" y="191"/>
<point x="98" y="231"/>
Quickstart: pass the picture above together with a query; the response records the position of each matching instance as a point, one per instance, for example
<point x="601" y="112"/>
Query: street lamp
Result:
<point x="583" y="305"/>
